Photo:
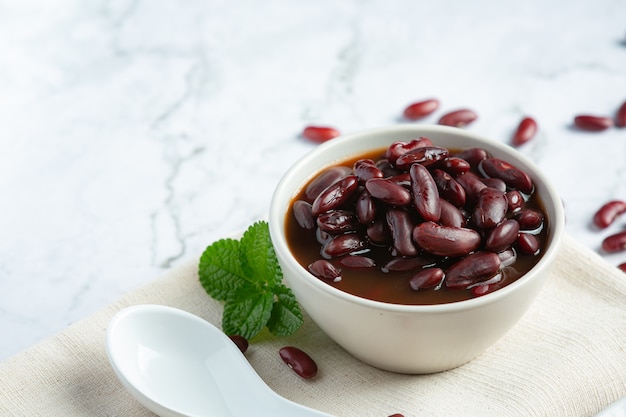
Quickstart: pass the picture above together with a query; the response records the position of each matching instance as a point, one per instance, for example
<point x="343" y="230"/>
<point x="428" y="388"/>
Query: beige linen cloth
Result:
<point x="566" y="357"/>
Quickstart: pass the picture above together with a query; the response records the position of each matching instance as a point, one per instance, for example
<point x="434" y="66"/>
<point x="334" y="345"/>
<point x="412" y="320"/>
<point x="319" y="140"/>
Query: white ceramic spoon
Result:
<point x="177" y="364"/>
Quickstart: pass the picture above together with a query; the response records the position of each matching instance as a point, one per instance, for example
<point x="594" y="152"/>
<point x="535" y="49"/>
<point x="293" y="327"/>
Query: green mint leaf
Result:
<point x="220" y="270"/>
<point x="286" y="315"/>
<point x="247" y="312"/>
<point x="259" y="259"/>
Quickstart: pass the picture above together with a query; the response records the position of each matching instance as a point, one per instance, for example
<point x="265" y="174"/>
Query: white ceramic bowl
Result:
<point x="411" y="338"/>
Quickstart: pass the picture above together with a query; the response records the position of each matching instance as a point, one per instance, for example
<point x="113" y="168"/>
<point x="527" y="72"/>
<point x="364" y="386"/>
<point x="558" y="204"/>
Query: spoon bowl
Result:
<point x="177" y="364"/>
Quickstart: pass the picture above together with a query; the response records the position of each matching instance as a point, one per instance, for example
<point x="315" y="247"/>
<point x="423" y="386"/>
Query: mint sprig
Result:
<point x="246" y="276"/>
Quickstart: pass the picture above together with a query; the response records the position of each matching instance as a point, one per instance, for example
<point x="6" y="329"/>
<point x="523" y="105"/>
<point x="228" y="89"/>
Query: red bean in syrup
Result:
<point x="416" y="223"/>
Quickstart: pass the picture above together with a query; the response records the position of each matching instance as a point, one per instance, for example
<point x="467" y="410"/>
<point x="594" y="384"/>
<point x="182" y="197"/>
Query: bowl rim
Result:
<point x="277" y="219"/>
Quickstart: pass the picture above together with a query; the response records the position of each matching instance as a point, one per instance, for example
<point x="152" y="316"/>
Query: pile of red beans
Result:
<point x="454" y="219"/>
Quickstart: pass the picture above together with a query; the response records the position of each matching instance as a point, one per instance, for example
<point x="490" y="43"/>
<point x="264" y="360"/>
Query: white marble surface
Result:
<point x="134" y="133"/>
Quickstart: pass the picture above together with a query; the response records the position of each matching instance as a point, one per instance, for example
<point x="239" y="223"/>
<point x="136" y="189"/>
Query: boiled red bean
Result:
<point x="386" y="168"/>
<point x="421" y="109"/>
<point x="357" y="262"/>
<point x="607" y="214"/>
<point x="365" y="208"/>
<point x="528" y="243"/>
<point x="366" y="169"/>
<point x="426" y="278"/>
<point x="378" y="232"/>
<point x="451" y="216"/>
<point x="502" y="236"/>
<point x="614" y="243"/>
<point x="526" y="130"/>
<point x="401" y="224"/>
<point x="593" y="123"/>
<point x="496" y="183"/>
<point x="425" y="193"/>
<point x="335" y="195"/>
<point x="426" y="155"/>
<point x="320" y="134"/>
<point x="472" y="185"/>
<point x="399" y="148"/>
<point x="342" y="245"/>
<point x="449" y="188"/>
<point x="474" y="268"/>
<point x="388" y="191"/>
<point x="446" y="241"/>
<point x="407" y="264"/>
<point x="324" y="180"/>
<point x="620" y="116"/>
<point x="453" y="165"/>
<point x="458" y="118"/>
<point x="529" y="219"/>
<point x="473" y="156"/>
<point x="490" y="208"/>
<point x="303" y="213"/>
<point x="239" y="341"/>
<point x="325" y="270"/>
<point x="403" y="179"/>
<point x="510" y="174"/>
<point x="298" y="360"/>
<point x="337" y="221"/>
<point x="515" y="200"/>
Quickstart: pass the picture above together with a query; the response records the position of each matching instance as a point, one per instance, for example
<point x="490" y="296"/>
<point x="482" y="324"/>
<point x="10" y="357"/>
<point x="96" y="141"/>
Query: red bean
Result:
<point x="325" y="270"/>
<point x="528" y="243"/>
<point x="620" y="116"/>
<point x="378" y="232"/>
<point x="337" y="221"/>
<point x="301" y="363"/>
<point x="426" y="155"/>
<point x="421" y="109"/>
<point x="303" y="214"/>
<point x="445" y="241"/>
<point x="387" y="168"/>
<point x="449" y="188"/>
<point x="396" y="415"/>
<point x="335" y="195"/>
<point x="490" y="208"/>
<point x="458" y="118"/>
<point x="526" y="131"/>
<point x="451" y="216"/>
<point x="240" y="341"/>
<point x="399" y="148"/>
<point x="342" y="245"/>
<point x="615" y="243"/>
<point x="529" y="219"/>
<point x="510" y="174"/>
<point x="425" y="193"/>
<point x="401" y="224"/>
<point x="496" y="183"/>
<point x="473" y="156"/>
<point x="366" y="169"/>
<point x="365" y="208"/>
<point x="426" y="278"/>
<point x="593" y="123"/>
<point x="320" y="134"/>
<point x="324" y="180"/>
<point x="502" y="236"/>
<point x="453" y="165"/>
<point x="472" y="185"/>
<point x="408" y="264"/>
<point x="515" y="200"/>
<point x="607" y="214"/>
<point x="388" y="191"/>
<point x="474" y="268"/>
<point x="357" y="262"/>
<point x="622" y="267"/>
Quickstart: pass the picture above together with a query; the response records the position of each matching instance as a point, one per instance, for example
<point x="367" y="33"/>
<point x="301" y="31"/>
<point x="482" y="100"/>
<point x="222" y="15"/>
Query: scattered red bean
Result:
<point x="458" y="118"/>
<point x="320" y="134"/>
<point x="622" y="267"/>
<point x="607" y="214"/>
<point x="620" y="116"/>
<point x="614" y="243"/>
<point x="301" y="363"/>
<point x="396" y="415"/>
<point x="526" y="131"/>
<point x="240" y="341"/>
<point x="421" y="109"/>
<point x="593" y="123"/>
